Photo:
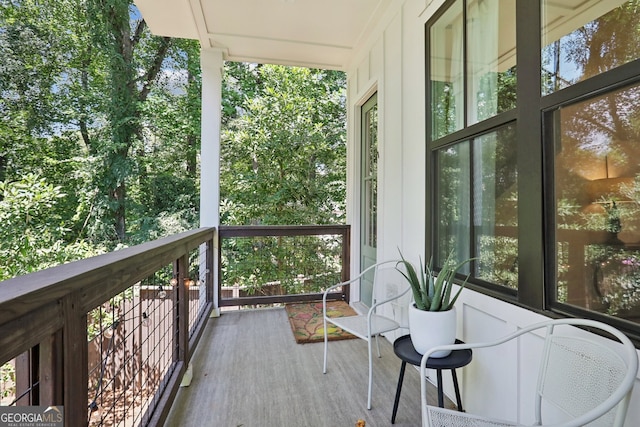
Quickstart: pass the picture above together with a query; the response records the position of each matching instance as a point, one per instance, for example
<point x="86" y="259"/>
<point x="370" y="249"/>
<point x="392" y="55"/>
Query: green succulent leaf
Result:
<point x="433" y="291"/>
<point x="412" y="277"/>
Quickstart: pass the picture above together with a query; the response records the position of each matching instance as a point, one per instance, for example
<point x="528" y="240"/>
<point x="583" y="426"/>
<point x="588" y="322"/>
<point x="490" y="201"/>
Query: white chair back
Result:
<point x="583" y="379"/>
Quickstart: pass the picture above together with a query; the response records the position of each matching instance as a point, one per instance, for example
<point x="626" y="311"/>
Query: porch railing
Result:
<point x="109" y="337"/>
<point x="277" y="264"/>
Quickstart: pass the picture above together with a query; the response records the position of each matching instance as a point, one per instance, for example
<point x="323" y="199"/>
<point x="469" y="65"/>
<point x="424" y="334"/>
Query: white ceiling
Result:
<point x="312" y="33"/>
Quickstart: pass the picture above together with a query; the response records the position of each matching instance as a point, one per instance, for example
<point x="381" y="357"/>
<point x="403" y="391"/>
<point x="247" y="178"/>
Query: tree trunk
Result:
<point x="119" y="196"/>
<point x="129" y="89"/>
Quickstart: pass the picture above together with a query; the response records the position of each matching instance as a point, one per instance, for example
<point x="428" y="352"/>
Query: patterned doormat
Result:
<point x="307" y="325"/>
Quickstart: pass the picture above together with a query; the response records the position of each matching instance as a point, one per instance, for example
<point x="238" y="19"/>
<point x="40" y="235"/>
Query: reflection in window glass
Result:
<point x="583" y="39"/>
<point x="453" y="202"/>
<point x="489" y="53"/>
<point x="597" y="188"/>
<point x="495" y="207"/>
<point x="477" y="205"/>
<point x="491" y="58"/>
<point x="370" y="177"/>
<point x="447" y="72"/>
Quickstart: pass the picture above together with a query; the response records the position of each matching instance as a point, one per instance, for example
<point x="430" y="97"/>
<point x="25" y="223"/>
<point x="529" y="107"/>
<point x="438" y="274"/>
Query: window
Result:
<point x="583" y="39"/>
<point x="473" y="84"/>
<point x="597" y="193"/>
<point x="594" y="129"/>
<point x="447" y="72"/>
<point x="534" y="170"/>
<point x="472" y="77"/>
<point x="477" y="209"/>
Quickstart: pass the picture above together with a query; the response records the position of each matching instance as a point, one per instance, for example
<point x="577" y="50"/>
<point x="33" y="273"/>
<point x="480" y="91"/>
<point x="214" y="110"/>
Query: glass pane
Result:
<point x="581" y="39"/>
<point x="453" y="202"/>
<point x="495" y="206"/>
<point x="477" y="205"/>
<point x="491" y="58"/>
<point x="447" y="72"/>
<point x="597" y="187"/>
<point x="370" y="174"/>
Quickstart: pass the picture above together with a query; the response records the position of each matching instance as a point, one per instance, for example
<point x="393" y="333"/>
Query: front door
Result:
<point x="369" y="192"/>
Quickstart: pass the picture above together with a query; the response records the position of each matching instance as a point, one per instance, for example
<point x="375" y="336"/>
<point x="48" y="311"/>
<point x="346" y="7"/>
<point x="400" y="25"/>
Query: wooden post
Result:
<point x="75" y="363"/>
<point x="51" y="370"/>
<point x="24" y="378"/>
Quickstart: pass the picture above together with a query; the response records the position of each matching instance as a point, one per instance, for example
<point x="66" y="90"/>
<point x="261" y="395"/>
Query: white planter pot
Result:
<point x="432" y="328"/>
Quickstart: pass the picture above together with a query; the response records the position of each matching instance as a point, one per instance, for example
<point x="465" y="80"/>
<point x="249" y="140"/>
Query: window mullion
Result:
<point x="531" y="244"/>
<point x="465" y="67"/>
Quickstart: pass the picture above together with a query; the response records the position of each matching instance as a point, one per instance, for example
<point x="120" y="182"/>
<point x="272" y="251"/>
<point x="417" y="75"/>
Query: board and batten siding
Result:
<point x="392" y="62"/>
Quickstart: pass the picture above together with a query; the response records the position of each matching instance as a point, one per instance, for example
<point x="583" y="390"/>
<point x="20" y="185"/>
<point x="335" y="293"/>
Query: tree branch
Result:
<point x="151" y="74"/>
<point x="138" y="33"/>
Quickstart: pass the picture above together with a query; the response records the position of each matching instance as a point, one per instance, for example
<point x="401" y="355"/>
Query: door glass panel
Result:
<point x="581" y="39"/>
<point x="370" y="174"/>
<point x="369" y="189"/>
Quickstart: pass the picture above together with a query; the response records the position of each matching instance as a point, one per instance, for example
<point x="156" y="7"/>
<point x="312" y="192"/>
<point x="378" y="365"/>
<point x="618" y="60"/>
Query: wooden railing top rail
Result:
<point x="96" y="279"/>
<point x="280" y="230"/>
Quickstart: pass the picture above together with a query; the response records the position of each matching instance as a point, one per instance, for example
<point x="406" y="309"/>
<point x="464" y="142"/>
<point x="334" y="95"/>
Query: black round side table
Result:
<point x="403" y="348"/>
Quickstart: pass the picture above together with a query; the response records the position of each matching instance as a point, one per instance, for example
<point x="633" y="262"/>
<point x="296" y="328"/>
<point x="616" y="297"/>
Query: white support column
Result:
<point x="211" y="63"/>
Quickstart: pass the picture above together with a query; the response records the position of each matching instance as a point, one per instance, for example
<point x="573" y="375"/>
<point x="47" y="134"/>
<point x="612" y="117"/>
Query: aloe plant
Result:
<point x="431" y="290"/>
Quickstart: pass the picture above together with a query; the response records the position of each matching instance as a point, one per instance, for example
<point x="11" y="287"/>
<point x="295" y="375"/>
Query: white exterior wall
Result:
<point x="497" y="383"/>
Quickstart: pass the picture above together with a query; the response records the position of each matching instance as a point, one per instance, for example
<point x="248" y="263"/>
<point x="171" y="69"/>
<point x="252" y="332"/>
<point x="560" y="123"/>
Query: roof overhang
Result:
<point x="310" y="33"/>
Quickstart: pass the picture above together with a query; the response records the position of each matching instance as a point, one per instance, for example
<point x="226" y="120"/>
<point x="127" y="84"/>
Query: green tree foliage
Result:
<point x="76" y="82"/>
<point x="32" y="235"/>
<point x="39" y="118"/>
<point x="70" y="117"/>
<point x="283" y="157"/>
<point x="283" y="161"/>
<point x="100" y="134"/>
<point x="134" y="59"/>
<point x="165" y="195"/>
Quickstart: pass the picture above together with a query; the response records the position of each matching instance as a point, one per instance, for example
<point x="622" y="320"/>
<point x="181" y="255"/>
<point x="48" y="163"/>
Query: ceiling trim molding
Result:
<point x="198" y="19"/>
<point x="214" y="36"/>
<point x="280" y="61"/>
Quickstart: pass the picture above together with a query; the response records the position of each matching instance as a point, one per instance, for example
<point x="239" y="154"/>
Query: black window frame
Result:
<point x="612" y="80"/>
<point x="535" y="164"/>
<point x="467" y="133"/>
